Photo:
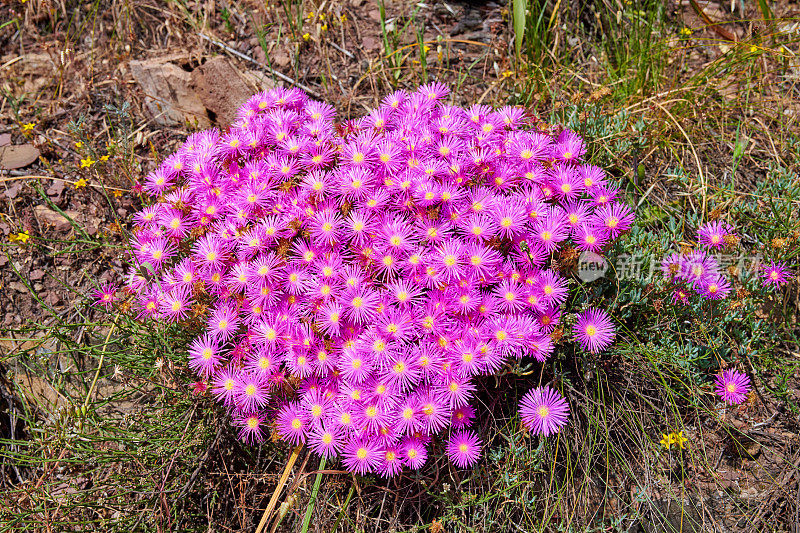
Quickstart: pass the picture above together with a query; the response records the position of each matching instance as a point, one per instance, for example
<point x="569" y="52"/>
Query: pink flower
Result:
<point x="732" y="386"/>
<point x="464" y="449"/>
<point x="594" y="330"/>
<point x="544" y="411"/>
<point x="714" y="234"/>
<point x="106" y="296"/>
<point x="774" y="274"/>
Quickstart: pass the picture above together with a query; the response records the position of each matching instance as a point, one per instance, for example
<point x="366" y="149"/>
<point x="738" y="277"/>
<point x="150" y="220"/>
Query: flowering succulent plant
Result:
<point x="355" y="278"/>
<point x="697" y="269"/>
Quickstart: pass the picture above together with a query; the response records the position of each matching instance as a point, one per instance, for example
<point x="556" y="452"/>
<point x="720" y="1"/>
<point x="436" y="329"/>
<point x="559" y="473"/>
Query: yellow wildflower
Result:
<point x="306" y="36"/>
<point x="88" y="162"/>
<point x="104" y="158"/>
<point x="81" y="183"/>
<point x="667" y="440"/>
<point x="680" y="440"/>
<point x="324" y="27"/>
<point x="117" y="193"/>
<point x="21" y="237"/>
<point x="686" y="32"/>
<point x="79" y="144"/>
<point x="28" y="127"/>
<point x="343" y="17"/>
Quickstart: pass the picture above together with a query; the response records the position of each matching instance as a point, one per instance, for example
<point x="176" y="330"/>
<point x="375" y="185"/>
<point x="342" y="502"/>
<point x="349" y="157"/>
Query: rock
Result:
<point x="13" y="190"/>
<point x="369" y="43"/>
<point x="17" y="286"/>
<point x="55" y="189"/>
<point x="169" y="97"/>
<point x="55" y="219"/>
<point x="280" y="57"/>
<point x="5" y="139"/>
<point x="220" y="88"/>
<point x="36" y="275"/>
<point x="18" y="156"/>
<point x="259" y="55"/>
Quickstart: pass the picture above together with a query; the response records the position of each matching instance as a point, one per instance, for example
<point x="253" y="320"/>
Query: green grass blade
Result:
<point x="313" y="500"/>
<point x="519" y="22"/>
<point x="763" y="6"/>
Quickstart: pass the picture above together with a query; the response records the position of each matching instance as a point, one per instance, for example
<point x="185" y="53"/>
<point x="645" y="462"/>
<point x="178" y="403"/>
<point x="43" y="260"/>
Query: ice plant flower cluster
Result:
<point x="732" y="386"/>
<point x="353" y="279"/>
<point x="699" y="271"/>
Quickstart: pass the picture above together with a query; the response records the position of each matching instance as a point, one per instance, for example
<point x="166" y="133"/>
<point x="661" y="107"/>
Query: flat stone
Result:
<point x="18" y="156"/>
<point x="54" y="218"/>
<point x="169" y="97"/>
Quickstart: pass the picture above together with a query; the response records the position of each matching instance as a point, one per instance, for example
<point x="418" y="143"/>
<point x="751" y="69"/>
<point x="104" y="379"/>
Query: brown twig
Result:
<point x="277" y="492"/>
<point x="715" y="26"/>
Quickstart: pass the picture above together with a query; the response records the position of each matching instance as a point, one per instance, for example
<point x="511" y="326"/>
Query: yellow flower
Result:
<point x="753" y="48"/>
<point x="310" y="15"/>
<point x="343" y="17"/>
<point x="88" y="162"/>
<point x="28" y="127"/>
<point x="680" y="440"/>
<point x="686" y="31"/>
<point x="506" y="74"/>
<point x="667" y="440"/>
<point x="79" y="144"/>
<point x="324" y="27"/>
<point x="104" y="158"/>
<point x="322" y="16"/>
<point x="306" y="36"/>
<point x="21" y="237"/>
<point x="117" y="193"/>
<point x="81" y="183"/>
